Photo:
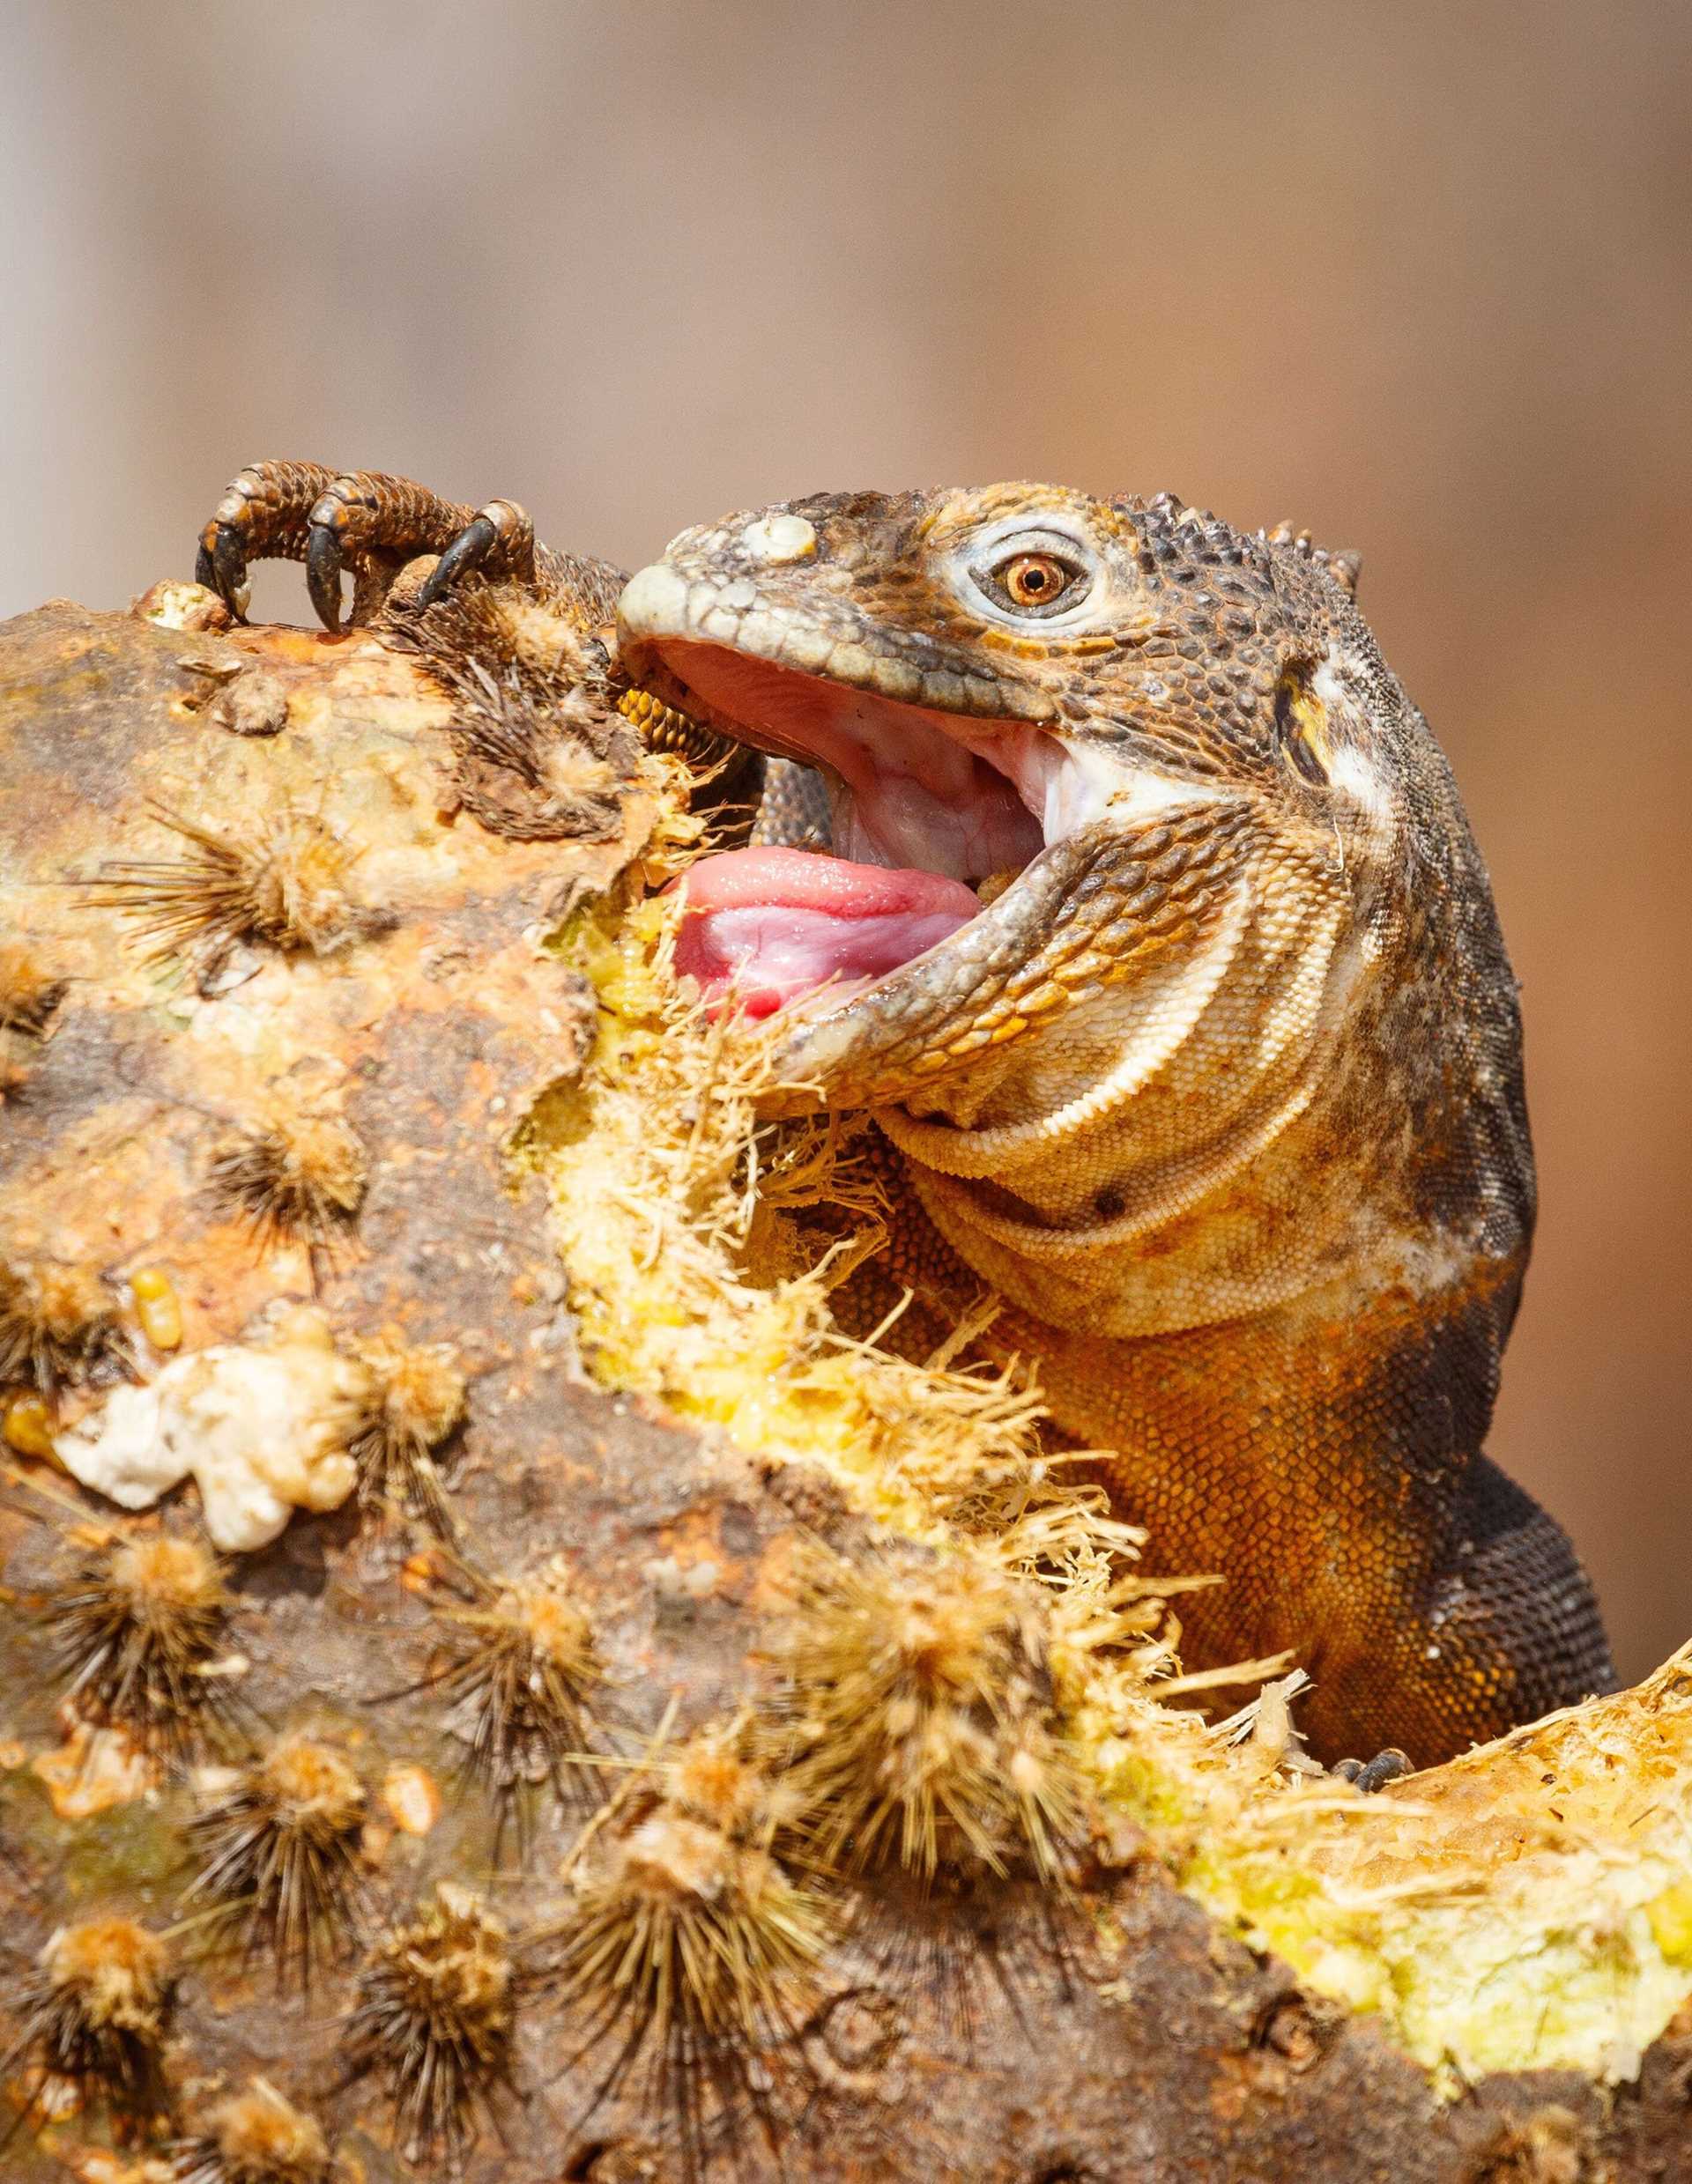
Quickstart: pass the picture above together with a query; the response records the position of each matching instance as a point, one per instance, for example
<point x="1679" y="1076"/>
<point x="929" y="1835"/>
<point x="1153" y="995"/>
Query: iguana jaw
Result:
<point x="927" y="804"/>
<point x="911" y="785"/>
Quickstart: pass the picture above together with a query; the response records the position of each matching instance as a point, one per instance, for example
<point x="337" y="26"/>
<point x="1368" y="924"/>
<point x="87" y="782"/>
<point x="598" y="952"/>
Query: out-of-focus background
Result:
<point x="1418" y="276"/>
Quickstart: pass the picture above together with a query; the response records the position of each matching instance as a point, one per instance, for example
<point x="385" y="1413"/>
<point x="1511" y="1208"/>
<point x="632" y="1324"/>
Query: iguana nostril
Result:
<point x="776" y="538"/>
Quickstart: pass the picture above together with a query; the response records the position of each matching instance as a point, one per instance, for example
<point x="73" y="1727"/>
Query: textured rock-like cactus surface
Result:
<point x="490" y="1684"/>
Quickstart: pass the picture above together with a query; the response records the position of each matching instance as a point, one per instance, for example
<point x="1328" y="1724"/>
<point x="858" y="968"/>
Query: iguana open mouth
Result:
<point x="926" y="804"/>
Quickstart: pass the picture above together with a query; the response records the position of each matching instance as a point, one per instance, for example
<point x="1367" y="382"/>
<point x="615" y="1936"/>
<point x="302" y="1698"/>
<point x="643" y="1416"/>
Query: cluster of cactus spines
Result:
<point x="921" y="1716"/>
<point x="136" y="1626"/>
<point x="60" y="1327"/>
<point x="415" y="1402"/>
<point x="544" y="751"/>
<point x="255" y="2137"/>
<point x="281" y="880"/>
<point x="689" y="1947"/>
<point x="277" y="1852"/>
<point x="521" y="1672"/>
<point x="908" y="1727"/>
<point x="434" y="2020"/>
<point x="296" y="1175"/>
<point x="91" y="2014"/>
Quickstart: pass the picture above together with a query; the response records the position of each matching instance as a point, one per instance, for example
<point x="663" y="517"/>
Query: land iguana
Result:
<point x="1150" y="929"/>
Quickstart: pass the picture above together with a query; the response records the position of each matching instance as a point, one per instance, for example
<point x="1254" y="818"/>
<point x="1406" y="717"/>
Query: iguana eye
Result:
<point x="1031" y="582"/>
<point x="1036" y="579"/>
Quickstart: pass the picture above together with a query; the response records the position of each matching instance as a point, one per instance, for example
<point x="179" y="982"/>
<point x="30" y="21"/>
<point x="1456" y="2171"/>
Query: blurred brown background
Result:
<point x="1420" y="276"/>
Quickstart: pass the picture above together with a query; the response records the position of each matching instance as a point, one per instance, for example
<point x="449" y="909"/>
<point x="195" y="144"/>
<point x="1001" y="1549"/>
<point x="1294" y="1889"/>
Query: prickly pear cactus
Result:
<point x="495" y="1684"/>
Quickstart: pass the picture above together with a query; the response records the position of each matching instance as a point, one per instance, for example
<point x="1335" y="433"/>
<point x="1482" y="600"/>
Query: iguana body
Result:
<point x="1221" y="1091"/>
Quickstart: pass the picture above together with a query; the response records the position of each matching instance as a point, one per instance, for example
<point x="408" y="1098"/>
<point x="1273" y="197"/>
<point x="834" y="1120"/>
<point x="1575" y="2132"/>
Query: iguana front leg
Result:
<point x="513" y="673"/>
<point x="362" y="522"/>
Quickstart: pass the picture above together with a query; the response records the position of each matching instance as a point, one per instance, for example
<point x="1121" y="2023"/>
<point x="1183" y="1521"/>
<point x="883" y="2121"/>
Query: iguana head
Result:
<point x="1123" y="800"/>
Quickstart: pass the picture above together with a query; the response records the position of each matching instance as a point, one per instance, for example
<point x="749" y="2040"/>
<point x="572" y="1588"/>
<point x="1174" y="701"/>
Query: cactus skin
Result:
<point x="1162" y="2049"/>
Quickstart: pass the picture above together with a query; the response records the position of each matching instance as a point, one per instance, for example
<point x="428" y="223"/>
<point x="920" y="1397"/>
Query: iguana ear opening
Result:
<point x="1301" y="724"/>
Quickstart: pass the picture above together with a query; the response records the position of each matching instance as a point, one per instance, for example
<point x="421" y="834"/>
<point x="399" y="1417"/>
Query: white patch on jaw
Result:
<point x="1068" y="786"/>
<point x="1350" y="770"/>
<point x="1356" y="777"/>
<point x="773" y="539"/>
<point x="1328" y="682"/>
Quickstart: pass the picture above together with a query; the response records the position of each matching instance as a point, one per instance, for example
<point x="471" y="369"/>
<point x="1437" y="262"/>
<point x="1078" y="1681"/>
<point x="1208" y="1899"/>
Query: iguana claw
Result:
<point x="1368" y="1776"/>
<point x="364" y="524"/>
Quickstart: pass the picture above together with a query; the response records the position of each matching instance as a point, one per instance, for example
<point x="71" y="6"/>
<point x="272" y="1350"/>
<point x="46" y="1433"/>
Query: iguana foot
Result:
<point x="1369" y="1775"/>
<point x="362" y="522"/>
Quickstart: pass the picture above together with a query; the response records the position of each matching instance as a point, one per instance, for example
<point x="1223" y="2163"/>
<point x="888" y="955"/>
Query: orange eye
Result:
<point x="1034" y="580"/>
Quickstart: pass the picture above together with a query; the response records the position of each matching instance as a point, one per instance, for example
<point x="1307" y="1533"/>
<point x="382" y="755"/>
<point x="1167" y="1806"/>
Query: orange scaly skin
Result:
<point x="1222" y="1095"/>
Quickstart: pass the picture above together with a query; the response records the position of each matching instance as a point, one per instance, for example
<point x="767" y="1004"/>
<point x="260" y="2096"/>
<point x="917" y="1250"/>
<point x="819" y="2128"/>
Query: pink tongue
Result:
<point x="776" y="923"/>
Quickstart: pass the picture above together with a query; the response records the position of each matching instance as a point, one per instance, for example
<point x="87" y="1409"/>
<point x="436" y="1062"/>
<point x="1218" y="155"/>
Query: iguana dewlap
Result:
<point x="1222" y="1093"/>
<point x="1157" y="943"/>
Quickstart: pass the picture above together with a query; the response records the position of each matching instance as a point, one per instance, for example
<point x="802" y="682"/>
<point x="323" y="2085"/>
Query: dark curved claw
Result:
<point x="1370" y="1775"/>
<point x="468" y="551"/>
<point x="323" y="575"/>
<point x="359" y="523"/>
<point x="221" y="567"/>
<point x="1386" y="1767"/>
